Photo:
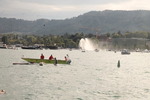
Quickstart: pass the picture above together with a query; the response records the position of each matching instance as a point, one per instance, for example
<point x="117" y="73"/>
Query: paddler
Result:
<point x="67" y="59"/>
<point x="51" y="57"/>
<point x="42" y="56"/>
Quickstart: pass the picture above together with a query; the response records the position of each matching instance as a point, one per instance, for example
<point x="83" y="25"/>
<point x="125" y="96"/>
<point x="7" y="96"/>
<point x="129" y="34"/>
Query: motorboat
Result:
<point x="125" y="51"/>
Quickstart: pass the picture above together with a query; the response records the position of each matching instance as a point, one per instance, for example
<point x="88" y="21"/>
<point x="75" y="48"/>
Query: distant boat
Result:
<point x="125" y="51"/>
<point x="30" y="47"/>
<point x="83" y="50"/>
<point x="50" y="47"/>
<point x="138" y="50"/>
<point x="146" y="51"/>
<point x="70" y="49"/>
<point x="3" y="46"/>
<point x="96" y="50"/>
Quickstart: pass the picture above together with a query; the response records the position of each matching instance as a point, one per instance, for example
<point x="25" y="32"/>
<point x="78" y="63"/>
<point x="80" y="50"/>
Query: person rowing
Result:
<point x="67" y="59"/>
<point x="42" y="56"/>
<point x="51" y="57"/>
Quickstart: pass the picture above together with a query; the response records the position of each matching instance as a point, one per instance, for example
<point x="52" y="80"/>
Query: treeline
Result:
<point x="138" y="34"/>
<point x="128" y="40"/>
<point x="118" y="40"/>
<point x="63" y="41"/>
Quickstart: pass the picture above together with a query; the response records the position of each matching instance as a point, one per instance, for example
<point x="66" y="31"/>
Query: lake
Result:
<point x="90" y="76"/>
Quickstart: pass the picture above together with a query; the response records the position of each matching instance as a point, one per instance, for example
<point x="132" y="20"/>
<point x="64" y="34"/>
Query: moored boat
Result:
<point x="47" y="61"/>
<point x="3" y="46"/>
<point x="30" y="47"/>
<point x="96" y="50"/>
<point x="83" y="50"/>
<point x="125" y="51"/>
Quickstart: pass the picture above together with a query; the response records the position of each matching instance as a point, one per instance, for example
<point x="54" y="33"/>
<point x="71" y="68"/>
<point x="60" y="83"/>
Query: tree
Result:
<point x="5" y="39"/>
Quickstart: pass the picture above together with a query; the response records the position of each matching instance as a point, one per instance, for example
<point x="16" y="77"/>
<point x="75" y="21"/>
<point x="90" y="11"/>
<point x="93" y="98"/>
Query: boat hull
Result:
<point x="33" y="60"/>
<point x="125" y="52"/>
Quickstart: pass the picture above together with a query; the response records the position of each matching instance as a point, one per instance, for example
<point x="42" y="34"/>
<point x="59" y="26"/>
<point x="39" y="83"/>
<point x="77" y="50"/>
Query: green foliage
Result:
<point x="5" y="39"/>
<point x="118" y="40"/>
<point x="64" y="41"/>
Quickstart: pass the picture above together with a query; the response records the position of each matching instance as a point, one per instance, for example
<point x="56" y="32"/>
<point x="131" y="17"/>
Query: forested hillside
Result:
<point x="92" y="22"/>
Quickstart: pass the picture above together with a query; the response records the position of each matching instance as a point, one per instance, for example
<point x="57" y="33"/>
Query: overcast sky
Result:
<point x="61" y="9"/>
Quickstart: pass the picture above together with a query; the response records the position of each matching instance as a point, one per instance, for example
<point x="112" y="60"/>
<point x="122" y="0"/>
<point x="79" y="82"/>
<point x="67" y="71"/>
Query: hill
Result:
<point x="91" y="22"/>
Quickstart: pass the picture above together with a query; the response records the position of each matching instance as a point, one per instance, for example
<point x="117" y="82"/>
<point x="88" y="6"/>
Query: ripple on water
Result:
<point x="79" y="99"/>
<point x="147" y="90"/>
<point x="89" y="77"/>
<point x="147" y="72"/>
<point x="116" y="96"/>
<point x="29" y="97"/>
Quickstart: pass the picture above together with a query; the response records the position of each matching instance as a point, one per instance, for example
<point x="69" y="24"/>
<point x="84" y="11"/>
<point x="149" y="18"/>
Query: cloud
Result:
<point x="60" y="9"/>
<point x="71" y="2"/>
<point x="124" y="5"/>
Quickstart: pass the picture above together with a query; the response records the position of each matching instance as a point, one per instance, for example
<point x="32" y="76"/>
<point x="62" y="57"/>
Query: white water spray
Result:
<point x="86" y="44"/>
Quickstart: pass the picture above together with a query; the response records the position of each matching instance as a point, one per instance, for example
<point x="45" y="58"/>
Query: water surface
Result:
<point x="91" y="76"/>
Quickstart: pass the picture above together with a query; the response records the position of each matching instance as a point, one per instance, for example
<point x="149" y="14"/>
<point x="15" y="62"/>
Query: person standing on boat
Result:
<point x="42" y="56"/>
<point x="67" y="59"/>
<point x="51" y="57"/>
<point x="55" y="61"/>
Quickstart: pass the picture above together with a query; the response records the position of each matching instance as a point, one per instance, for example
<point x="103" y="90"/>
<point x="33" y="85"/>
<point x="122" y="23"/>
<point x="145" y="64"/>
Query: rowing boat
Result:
<point x="47" y="61"/>
<point x="21" y="63"/>
<point x="34" y="60"/>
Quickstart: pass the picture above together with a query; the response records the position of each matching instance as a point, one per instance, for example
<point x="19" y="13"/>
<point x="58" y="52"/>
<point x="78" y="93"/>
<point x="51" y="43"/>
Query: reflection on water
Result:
<point x="91" y="76"/>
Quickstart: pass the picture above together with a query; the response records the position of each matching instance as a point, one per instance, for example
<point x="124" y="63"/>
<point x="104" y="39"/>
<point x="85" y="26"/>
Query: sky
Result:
<point x="62" y="9"/>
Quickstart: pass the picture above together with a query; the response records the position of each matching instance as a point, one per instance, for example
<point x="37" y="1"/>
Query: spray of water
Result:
<point x="87" y="44"/>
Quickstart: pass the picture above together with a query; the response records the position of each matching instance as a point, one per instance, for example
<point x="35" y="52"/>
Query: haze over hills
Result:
<point x="92" y="22"/>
